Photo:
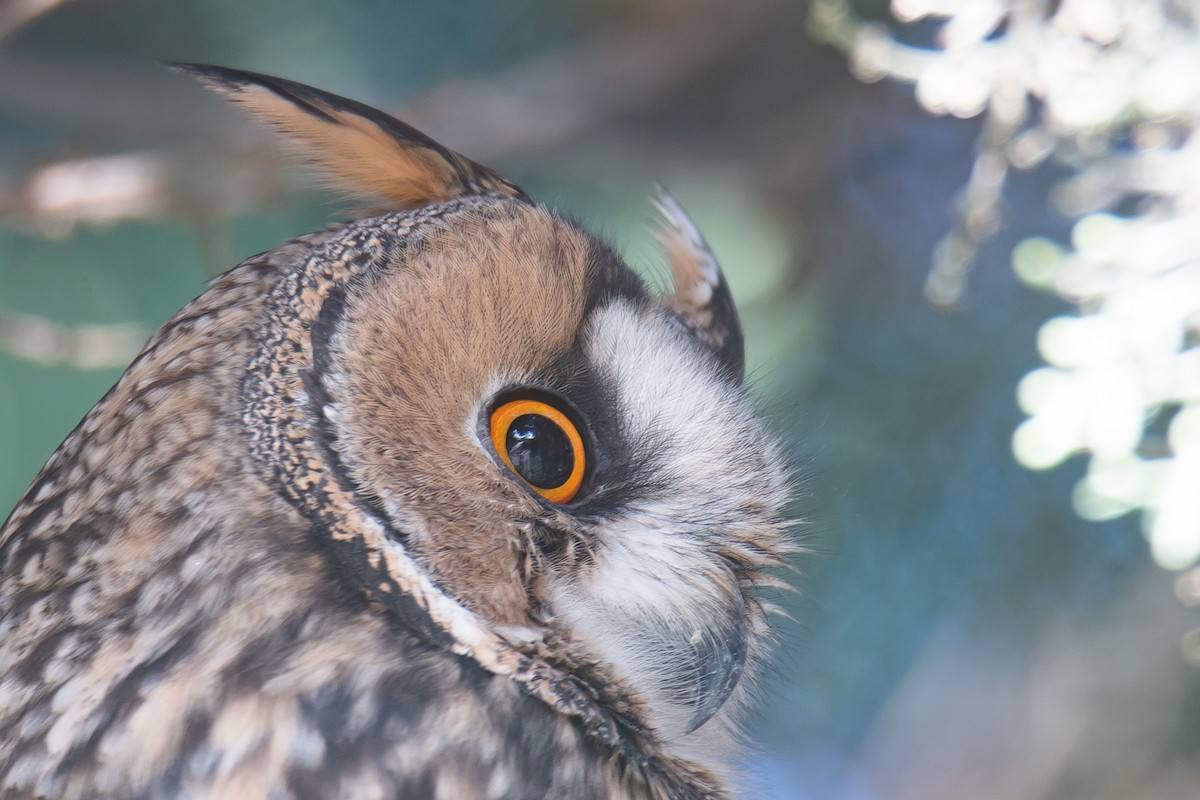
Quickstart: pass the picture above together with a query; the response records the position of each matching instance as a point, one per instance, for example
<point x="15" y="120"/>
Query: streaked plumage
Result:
<point x="285" y="557"/>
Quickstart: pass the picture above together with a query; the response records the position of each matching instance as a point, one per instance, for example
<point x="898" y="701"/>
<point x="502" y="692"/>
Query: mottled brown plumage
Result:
<point x="283" y="558"/>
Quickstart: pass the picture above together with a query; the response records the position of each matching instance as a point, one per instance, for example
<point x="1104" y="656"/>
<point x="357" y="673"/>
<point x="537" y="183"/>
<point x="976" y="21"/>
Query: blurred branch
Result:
<point x="16" y="14"/>
<point x="971" y="73"/>
<point x="1110" y="89"/>
<point x="97" y="191"/>
<point x="49" y="344"/>
<point x="552" y="97"/>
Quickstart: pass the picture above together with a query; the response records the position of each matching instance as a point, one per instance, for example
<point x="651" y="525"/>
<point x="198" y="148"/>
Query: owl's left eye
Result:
<point x="542" y="445"/>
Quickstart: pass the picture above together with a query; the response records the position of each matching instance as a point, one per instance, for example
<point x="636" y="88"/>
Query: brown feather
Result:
<point x="361" y="150"/>
<point x="700" y="296"/>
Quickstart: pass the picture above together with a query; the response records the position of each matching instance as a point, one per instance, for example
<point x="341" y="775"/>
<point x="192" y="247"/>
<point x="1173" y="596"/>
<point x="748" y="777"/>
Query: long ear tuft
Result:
<point x="363" y="150"/>
<point x="701" y="298"/>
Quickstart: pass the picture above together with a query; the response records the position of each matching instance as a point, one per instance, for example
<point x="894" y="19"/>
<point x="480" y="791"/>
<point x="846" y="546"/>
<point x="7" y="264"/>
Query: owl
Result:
<point x="441" y="502"/>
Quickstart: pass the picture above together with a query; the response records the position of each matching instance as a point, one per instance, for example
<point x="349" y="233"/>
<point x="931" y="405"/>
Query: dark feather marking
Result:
<point x="732" y="352"/>
<point x="167" y="380"/>
<point x="123" y="698"/>
<point x="722" y="336"/>
<point x="196" y="729"/>
<point x="326" y="437"/>
<point x="264" y="655"/>
<point x="352" y="554"/>
<point x="608" y="277"/>
<point x="20" y="536"/>
<point x="31" y="666"/>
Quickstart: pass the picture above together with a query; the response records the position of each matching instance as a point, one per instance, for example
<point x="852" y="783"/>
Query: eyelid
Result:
<point x="502" y="419"/>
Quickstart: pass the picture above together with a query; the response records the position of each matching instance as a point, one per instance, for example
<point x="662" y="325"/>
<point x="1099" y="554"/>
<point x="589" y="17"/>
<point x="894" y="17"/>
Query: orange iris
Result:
<point x="541" y="445"/>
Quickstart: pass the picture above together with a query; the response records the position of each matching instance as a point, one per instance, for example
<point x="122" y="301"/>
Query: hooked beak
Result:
<point x="708" y="665"/>
<point x="685" y="663"/>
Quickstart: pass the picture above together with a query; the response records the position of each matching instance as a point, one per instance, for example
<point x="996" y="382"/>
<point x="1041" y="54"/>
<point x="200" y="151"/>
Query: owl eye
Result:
<point x="542" y="445"/>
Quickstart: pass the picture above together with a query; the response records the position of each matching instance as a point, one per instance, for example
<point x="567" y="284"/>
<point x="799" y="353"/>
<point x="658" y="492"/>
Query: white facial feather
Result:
<point x="660" y="582"/>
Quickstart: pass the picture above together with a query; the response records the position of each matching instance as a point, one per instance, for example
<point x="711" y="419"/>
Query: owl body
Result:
<point x="442" y="502"/>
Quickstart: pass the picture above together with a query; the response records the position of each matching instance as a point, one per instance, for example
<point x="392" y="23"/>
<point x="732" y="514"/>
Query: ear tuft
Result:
<point x="365" y="151"/>
<point x="701" y="298"/>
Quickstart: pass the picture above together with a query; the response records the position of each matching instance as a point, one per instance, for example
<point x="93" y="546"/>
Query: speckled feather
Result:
<point x="275" y="559"/>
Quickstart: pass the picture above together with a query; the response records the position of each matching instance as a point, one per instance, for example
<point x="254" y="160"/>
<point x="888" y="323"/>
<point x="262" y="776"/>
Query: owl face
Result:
<point x="557" y="446"/>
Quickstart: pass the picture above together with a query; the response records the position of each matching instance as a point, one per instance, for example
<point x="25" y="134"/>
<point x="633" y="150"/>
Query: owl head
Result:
<point x="508" y="440"/>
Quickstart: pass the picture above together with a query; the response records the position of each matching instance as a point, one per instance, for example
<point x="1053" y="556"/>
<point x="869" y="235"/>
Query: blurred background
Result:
<point x="962" y="236"/>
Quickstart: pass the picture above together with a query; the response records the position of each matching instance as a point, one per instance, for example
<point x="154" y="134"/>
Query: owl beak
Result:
<point x="719" y="658"/>
<point x="707" y="665"/>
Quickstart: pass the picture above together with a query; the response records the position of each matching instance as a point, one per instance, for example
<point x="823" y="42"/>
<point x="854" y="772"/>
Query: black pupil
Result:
<point x="540" y="451"/>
